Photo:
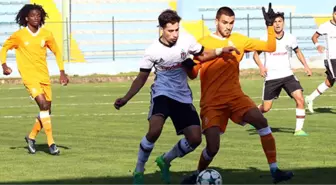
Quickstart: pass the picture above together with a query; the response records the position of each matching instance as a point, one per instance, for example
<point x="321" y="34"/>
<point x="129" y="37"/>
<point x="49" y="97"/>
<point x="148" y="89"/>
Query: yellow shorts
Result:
<point x="36" y="89"/>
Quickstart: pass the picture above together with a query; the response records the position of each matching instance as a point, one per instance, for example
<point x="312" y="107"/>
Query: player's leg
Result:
<point x="45" y="119"/>
<point x="271" y="91"/>
<point x="328" y="83"/>
<point x="186" y="121"/>
<point x="294" y="89"/>
<point x="213" y="124"/>
<point x="157" y="115"/>
<point x="265" y="106"/>
<point x="300" y="113"/>
<point x="244" y="109"/>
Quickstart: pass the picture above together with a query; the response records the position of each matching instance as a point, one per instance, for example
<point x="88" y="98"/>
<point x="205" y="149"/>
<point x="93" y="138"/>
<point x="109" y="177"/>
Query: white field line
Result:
<point x="108" y="103"/>
<point x="121" y="114"/>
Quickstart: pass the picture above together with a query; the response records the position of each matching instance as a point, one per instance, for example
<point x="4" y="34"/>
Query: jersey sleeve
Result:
<point x="321" y="30"/>
<point x="195" y="48"/>
<point x="147" y="62"/>
<point x="51" y="44"/>
<point x="269" y="45"/>
<point x="294" y="43"/>
<point x="11" y="43"/>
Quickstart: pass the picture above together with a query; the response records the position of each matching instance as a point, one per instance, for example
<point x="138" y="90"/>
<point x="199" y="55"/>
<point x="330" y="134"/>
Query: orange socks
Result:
<point x="268" y="144"/>
<point x="46" y="123"/>
<point x="36" y="129"/>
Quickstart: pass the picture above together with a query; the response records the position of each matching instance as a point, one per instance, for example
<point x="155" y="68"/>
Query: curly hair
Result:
<point x="24" y="11"/>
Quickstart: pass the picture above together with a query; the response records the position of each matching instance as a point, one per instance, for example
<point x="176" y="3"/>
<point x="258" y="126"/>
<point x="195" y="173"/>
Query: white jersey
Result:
<point x="328" y="32"/>
<point x="277" y="63"/>
<point x="171" y="80"/>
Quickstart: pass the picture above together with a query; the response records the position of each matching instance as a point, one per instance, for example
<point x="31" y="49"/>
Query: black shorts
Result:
<point x="272" y="88"/>
<point x="182" y="115"/>
<point x="330" y="70"/>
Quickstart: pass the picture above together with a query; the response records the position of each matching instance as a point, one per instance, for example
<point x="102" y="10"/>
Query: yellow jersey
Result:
<point x="31" y="53"/>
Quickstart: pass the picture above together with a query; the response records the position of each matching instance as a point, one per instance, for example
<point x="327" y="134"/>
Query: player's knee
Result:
<point x="194" y="141"/>
<point x="266" y="109"/>
<point x="155" y="128"/>
<point x="44" y="106"/>
<point x="329" y="83"/>
<point x="299" y="101"/>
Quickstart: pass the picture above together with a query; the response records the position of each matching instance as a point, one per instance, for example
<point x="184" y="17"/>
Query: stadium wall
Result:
<point x="107" y="38"/>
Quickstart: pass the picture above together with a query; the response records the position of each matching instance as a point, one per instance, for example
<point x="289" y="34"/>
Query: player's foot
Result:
<point x="300" y="133"/>
<point x="31" y="145"/>
<point x="280" y="176"/>
<point x="309" y="104"/>
<point x="53" y="149"/>
<point x="190" y="179"/>
<point x="164" y="167"/>
<point x="138" y="177"/>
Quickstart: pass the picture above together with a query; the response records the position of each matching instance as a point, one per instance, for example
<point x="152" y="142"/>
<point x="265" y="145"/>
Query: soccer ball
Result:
<point x="209" y="177"/>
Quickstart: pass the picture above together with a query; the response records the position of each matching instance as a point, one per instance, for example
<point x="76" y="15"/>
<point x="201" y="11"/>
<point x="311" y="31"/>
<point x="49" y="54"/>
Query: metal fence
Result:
<point x="116" y="39"/>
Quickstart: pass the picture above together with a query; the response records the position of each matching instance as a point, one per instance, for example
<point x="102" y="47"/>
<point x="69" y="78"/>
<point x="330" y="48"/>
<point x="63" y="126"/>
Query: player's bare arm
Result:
<point x="262" y="69"/>
<point x="302" y="59"/>
<point x="136" y="86"/>
<point x="319" y="47"/>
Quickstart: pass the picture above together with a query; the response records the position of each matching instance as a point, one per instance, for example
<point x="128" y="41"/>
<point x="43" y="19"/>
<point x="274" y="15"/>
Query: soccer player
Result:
<point x="30" y="44"/>
<point x="278" y="74"/>
<point x="222" y="97"/>
<point x="170" y="93"/>
<point x="328" y="30"/>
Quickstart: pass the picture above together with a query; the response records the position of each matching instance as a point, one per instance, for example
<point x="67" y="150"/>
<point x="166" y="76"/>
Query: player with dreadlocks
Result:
<point x="31" y="43"/>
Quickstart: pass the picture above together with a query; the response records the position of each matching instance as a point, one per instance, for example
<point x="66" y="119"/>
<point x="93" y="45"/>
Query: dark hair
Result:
<point x="279" y="14"/>
<point x="335" y="9"/>
<point x="168" y="16"/>
<point x="23" y="13"/>
<point x="224" y="10"/>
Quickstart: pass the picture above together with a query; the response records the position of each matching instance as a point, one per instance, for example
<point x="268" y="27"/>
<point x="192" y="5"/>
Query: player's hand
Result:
<point x="229" y="50"/>
<point x="119" y="103"/>
<point x="308" y="71"/>
<point x="320" y="49"/>
<point x="64" y="79"/>
<point x="6" y="70"/>
<point x="263" y="71"/>
<point x="269" y="15"/>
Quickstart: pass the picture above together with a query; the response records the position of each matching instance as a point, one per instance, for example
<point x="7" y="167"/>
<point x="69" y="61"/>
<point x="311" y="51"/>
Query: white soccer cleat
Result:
<point x="309" y="103"/>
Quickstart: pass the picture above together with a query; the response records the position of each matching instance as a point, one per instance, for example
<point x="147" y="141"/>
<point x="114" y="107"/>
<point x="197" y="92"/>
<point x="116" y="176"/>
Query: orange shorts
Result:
<point x="36" y="88"/>
<point x="234" y="110"/>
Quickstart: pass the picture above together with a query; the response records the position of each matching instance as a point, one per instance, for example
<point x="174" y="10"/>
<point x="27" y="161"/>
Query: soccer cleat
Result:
<point x="164" y="167"/>
<point x="309" y="103"/>
<point x="280" y="176"/>
<point x="300" y="133"/>
<point x="31" y="145"/>
<point x="190" y="179"/>
<point x="138" y="177"/>
<point x="53" y="149"/>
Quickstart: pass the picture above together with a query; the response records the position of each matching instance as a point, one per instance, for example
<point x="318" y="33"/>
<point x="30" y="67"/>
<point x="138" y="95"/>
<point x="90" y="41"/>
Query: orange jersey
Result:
<point x="220" y="77"/>
<point x="31" y="53"/>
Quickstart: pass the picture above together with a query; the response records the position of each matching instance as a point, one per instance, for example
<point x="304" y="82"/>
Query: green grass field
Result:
<point x="99" y="144"/>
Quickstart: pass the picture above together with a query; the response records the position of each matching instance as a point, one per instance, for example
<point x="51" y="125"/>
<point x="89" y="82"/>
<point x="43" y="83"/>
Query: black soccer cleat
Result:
<point x="280" y="176"/>
<point x="31" y="145"/>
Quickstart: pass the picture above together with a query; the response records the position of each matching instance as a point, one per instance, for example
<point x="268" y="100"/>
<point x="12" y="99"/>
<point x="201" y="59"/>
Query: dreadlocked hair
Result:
<point x="23" y="13"/>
